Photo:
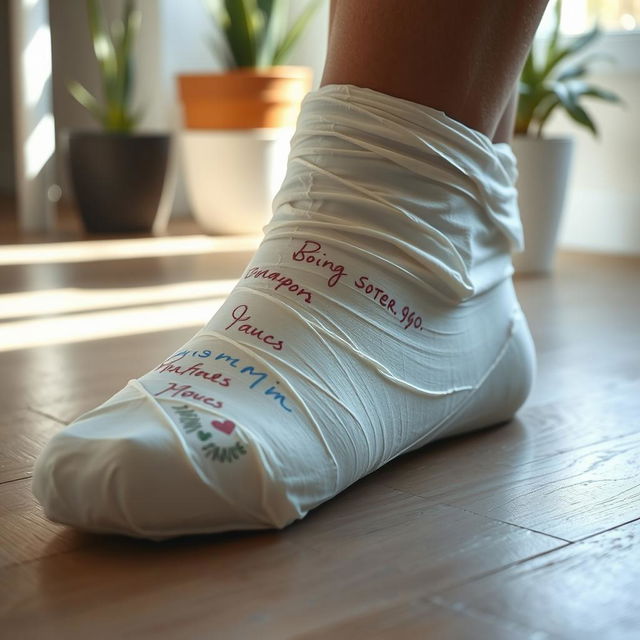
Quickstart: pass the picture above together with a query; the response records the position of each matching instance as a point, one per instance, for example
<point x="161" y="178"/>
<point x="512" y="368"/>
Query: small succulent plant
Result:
<point x="112" y="46"/>
<point x="550" y="80"/>
<point x="255" y="31"/>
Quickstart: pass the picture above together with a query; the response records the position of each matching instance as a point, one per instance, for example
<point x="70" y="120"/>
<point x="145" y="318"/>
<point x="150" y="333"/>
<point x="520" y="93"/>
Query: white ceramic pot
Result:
<point x="232" y="176"/>
<point x="543" y="171"/>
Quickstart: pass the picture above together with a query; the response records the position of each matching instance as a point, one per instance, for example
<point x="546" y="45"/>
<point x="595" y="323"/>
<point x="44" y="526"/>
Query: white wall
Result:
<point x="603" y="204"/>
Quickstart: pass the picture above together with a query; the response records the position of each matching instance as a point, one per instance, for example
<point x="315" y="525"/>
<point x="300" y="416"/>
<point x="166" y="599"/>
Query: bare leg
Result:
<point x="504" y="130"/>
<point x="461" y="57"/>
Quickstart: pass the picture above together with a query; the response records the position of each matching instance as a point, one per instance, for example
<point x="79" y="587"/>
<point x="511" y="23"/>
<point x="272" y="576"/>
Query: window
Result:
<point x="579" y="16"/>
<point x="612" y="15"/>
<point x="619" y="22"/>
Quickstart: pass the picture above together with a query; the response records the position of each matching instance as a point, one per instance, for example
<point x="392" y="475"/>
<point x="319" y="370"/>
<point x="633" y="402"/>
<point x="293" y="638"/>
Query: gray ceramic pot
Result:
<point x="118" y="179"/>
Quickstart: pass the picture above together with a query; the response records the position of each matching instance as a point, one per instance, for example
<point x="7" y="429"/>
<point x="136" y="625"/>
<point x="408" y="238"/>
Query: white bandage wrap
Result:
<point x="377" y="315"/>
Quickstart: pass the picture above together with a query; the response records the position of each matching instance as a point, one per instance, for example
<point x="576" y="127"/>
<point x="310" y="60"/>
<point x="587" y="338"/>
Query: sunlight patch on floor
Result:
<point x="69" y="300"/>
<point x="124" y="249"/>
<point x="66" y="329"/>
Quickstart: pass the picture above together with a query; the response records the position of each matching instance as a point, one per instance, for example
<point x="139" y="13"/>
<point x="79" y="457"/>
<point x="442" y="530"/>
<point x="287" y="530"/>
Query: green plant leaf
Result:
<point x="268" y="7"/>
<point x="545" y="108"/>
<point x="275" y="14"/>
<point x="569" y="101"/>
<point x="295" y="32"/>
<point x="580" y="88"/>
<point x="86" y="100"/>
<point x="524" y="114"/>
<point x="103" y="49"/>
<point x="578" y="44"/>
<point x="582" y="68"/>
<point x="113" y="48"/>
<point x="527" y="100"/>
<point x="555" y="34"/>
<point x="575" y="46"/>
<point x="528" y="74"/>
<point x="574" y="71"/>
<point x="552" y="81"/>
<point x="240" y="30"/>
<point x="131" y="21"/>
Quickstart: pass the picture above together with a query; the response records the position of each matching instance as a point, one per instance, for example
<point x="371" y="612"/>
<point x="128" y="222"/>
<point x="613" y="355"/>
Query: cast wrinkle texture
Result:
<point x="377" y="315"/>
<point x="379" y="167"/>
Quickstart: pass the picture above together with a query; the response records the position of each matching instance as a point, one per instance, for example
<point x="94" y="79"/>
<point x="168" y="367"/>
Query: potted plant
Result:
<point x="238" y="124"/>
<point x="117" y="174"/>
<point x="551" y="78"/>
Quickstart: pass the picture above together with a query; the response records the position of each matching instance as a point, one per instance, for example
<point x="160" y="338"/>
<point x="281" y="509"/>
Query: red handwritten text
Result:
<point x="240" y="314"/>
<point x="309" y="252"/>
<point x="377" y="294"/>
<point x="408" y="317"/>
<point x="281" y="279"/>
<point x="185" y="391"/>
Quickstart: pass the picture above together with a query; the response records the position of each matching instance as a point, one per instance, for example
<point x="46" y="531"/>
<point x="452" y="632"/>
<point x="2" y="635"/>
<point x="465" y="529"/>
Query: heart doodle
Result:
<point x="203" y="436"/>
<point x="226" y="427"/>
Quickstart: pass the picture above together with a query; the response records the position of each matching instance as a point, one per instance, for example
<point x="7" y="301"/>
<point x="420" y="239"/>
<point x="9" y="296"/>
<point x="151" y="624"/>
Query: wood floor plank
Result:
<point x="579" y="371"/>
<point x="23" y="434"/>
<point x="463" y="539"/>
<point x="584" y="322"/>
<point x="26" y="534"/>
<point x="570" y="495"/>
<point x="568" y="472"/>
<point x="133" y="272"/>
<point x="374" y="544"/>
<point x="587" y="590"/>
<point x="67" y="380"/>
<point x="422" y="619"/>
<point x="369" y="517"/>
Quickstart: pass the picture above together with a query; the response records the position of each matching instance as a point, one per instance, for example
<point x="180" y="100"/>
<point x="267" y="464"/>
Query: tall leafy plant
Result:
<point x="112" y="46"/>
<point x="255" y="31"/>
<point x="550" y="79"/>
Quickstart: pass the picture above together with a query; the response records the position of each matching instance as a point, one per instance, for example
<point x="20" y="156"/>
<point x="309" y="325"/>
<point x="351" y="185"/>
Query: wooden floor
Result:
<point x="530" y="530"/>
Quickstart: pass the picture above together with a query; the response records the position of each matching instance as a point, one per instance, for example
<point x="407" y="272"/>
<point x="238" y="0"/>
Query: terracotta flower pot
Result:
<point x="244" y="98"/>
<point x="235" y="143"/>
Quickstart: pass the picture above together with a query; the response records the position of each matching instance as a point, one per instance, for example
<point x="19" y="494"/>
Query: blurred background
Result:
<point x="48" y="44"/>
